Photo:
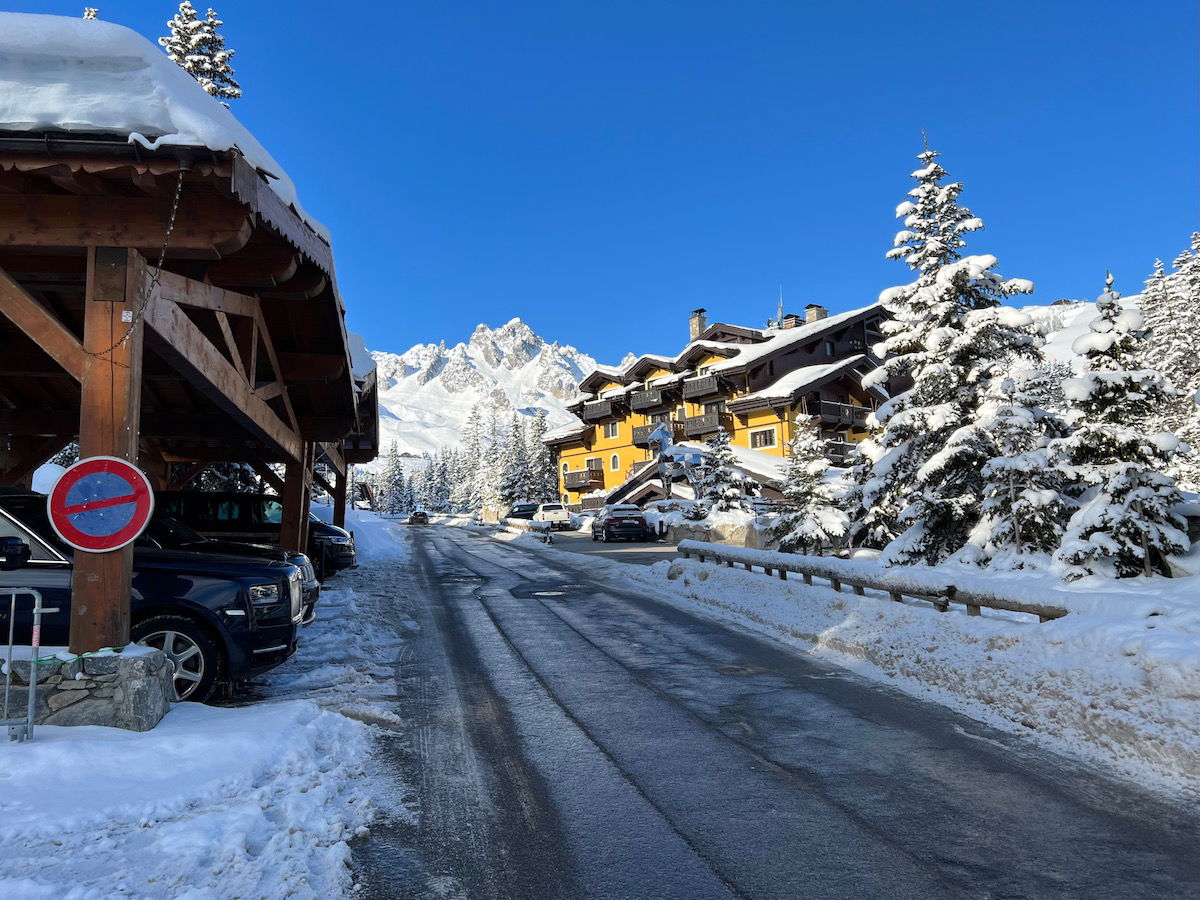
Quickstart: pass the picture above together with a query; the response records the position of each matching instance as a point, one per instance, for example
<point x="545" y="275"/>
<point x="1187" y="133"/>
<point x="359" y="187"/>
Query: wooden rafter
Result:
<point x="41" y="327"/>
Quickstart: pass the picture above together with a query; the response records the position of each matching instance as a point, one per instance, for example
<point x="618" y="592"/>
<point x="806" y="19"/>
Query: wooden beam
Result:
<point x="177" y="340"/>
<point x="190" y="474"/>
<point x="110" y="406"/>
<point x="265" y="337"/>
<point x="332" y="454"/>
<point x="12" y="182"/>
<point x="41" y="327"/>
<point x="296" y="494"/>
<point x="190" y="292"/>
<point x="266" y="474"/>
<point x="339" y="499"/>
<point x="255" y="267"/>
<point x="321" y="480"/>
<point x="230" y="344"/>
<point x="311" y="366"/>
<point x="80" y="183"/>
<point x="209" y="226"/>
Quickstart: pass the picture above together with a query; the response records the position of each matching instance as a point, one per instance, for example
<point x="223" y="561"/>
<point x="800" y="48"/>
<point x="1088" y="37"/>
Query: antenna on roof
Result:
<point x="779" y="317"/>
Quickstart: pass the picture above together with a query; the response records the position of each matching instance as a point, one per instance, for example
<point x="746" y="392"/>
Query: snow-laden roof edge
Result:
<point x="786" y="386"/>
<point x="86" y="76"/>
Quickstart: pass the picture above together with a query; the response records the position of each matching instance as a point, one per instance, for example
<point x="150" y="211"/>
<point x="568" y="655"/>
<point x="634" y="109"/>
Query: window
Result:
<point x="612" y="429"/>
<point x="566" y="468"/>
<point x="659" y="418"/>
<point x="830" y="348"/>
<point x="566" y="498"/>
<point x="717" y="406"/>
<point x="614" y="462"/>
<point x="595" y="465"/>
<point x="702" y="371"/>
<point x="761" y="439"/>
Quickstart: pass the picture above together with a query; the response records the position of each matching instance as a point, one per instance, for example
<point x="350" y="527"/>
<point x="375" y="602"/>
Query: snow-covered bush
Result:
<point x="810" y="520"/>
<point x="721" y="486"/>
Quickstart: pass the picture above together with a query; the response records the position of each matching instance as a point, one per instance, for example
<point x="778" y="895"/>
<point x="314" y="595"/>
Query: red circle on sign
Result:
<point x="129" y="487"/>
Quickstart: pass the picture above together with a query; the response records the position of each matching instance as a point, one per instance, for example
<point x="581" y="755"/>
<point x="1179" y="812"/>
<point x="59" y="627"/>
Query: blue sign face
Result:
<point x="101" y="504"/>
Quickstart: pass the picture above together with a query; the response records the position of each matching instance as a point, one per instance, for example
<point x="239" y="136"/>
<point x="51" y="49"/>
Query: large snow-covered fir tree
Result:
<point x="197" y="46"/>
<point x="1025" y="501"/>
<point x="466" y="492"/>
<point x="391" y="483"/>
<point x="918" y="483"/>
<point x="812" y="520"/>
<point x="1124" y="524"/>
<point x="514" y="485"/>
<point x="1171" y="305"/>
<point x="721" y="486"/>
<point x="543" y="478"/>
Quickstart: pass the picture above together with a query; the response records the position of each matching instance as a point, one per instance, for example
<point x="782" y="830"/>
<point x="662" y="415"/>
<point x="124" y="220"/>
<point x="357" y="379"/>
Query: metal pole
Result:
<point x="36" y="643"/>
<point x="12" y="621"/>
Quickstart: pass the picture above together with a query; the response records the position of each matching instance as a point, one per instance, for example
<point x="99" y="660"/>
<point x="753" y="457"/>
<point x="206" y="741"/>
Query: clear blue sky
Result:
<point x="599" y="169"/>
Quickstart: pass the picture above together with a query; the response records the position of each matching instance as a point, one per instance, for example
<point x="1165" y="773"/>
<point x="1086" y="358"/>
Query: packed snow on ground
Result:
<point x="258" y="799"/>
<point x="60" y="73"/>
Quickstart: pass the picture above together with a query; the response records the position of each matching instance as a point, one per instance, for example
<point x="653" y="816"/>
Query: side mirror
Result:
<point x="14" y="553"/>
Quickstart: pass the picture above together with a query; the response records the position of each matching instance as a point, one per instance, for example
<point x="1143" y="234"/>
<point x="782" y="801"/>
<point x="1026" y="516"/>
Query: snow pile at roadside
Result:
<point x="375" y="538"/>
<point x="1117" y="681"/>
<point x="250" y="802"/>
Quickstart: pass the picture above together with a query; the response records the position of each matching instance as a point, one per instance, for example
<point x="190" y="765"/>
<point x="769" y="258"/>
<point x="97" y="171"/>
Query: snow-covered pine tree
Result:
<point x="514" y="465"/>
<point x="722" y="487"/>
<point x="811" y="520"/>
<point x="543" y="478"/>
<point x="391" y="482"/>
<point x="465" y="493"/>
<point x="1124" y="524"/>
<point x="490" y="467"/>
<point x="1025" y="504"/>
<point x="90" y="12"/>
<point x="197" y="46"/>
<point x="947" y="333"/>
<point x="1171" y="305"/>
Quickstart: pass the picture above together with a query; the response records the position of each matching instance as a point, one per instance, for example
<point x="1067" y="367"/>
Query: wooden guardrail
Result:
<point x="843" y="573"/>
<point x="540" y="528"/>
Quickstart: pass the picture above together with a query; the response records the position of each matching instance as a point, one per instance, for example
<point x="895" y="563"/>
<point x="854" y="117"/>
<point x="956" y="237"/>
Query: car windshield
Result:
<point x="170" y="533"/>
<point x="552" y="506"/>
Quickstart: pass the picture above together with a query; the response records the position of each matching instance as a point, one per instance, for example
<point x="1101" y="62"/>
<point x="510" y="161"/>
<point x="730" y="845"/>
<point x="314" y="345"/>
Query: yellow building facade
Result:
<point x="757" y="385"/>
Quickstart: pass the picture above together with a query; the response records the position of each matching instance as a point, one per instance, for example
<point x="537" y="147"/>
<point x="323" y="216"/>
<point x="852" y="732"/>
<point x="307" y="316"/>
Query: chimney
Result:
<point x="814" y="312"/>
<point x="697" y="323"/>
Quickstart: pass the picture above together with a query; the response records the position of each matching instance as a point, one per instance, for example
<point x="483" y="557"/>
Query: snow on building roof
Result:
<point x="89" y="77"/>
<point x="786" y="386"/>
<point x="752" y="353"/>
<point x="753" y="462"/>
<point x="620" y="391"/>
<point x="571" y="429"/>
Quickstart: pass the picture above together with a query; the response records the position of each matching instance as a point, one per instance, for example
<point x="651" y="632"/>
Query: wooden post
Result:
<point x="110" y="405"/>
<point x="297" y="487"/>
<point x="339" y="499"/>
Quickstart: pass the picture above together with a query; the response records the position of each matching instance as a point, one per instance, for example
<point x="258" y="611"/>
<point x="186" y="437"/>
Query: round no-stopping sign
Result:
<point x="100" y="504"/>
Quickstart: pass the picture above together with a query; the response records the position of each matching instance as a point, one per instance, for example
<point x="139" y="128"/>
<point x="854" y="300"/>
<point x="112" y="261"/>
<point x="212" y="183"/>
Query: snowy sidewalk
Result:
<point x="254" y="800"/>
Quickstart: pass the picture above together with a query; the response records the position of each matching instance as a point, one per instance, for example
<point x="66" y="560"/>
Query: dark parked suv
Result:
<point x="255" y="519"/>
<point x="621" y="521"/>
<point x="219" y="619"/>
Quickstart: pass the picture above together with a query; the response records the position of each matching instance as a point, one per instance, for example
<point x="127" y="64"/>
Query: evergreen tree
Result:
<point x="197" y="46"/>
<point x="467" y="489"/>
<point x="67" y="456"/>
<point x="1124" y="521"/>
<point x="514" y="465"/>
<point x="1025" y="504"/>
<point x="948" y="334"/>
<point x="391" y="483"/>
<point x="810" y="520"/>
<point x="721" y="486"/>
<point x="490" y="469"/>
<point x="543" y="477"/>
<point x="90" y="12"/>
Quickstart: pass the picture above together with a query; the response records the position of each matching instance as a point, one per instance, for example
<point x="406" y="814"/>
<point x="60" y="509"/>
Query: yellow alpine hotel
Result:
<point x="756" y="384"/>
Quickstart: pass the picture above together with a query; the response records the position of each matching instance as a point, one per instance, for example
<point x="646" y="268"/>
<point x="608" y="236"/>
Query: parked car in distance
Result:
<point x="418" y="517"/>
<point x="554" y="513"/>
<point x="522" y="511"/>
<point x="165" y="533"/>
<point x="218" y="618"/>
<point x="621" y="522"/>
<point x="255" y="519"/>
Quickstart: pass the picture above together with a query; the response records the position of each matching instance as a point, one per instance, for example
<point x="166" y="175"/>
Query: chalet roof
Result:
<point x="90" y="77"/>
<point x="572" y="429"/>
<point x="788" y="338"/>
<point x="788" y="387"/>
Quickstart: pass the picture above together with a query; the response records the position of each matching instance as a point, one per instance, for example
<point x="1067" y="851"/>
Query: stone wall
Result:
<point x="131" y="692"/>
<point x="746" y="535"/>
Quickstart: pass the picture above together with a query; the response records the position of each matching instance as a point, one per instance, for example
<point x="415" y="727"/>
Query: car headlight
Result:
<point x="339" y="539"/>
<point x="264" y="594"/>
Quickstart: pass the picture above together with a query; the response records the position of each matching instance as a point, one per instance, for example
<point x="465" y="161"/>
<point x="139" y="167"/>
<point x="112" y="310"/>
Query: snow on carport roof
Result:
<point x="88" y="77"/>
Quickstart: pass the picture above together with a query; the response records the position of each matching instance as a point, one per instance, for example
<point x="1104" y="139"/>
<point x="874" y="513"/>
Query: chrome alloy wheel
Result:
<point x="186" y="659"/>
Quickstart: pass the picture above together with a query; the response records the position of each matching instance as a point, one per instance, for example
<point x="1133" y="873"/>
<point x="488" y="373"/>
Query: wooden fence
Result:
<point x="844" y="574"/>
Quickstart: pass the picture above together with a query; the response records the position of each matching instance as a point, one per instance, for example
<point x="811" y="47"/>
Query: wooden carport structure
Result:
<point x="234" y="349"/>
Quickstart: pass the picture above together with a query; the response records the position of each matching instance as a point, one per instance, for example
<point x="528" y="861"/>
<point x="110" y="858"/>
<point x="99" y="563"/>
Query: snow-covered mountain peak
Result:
<point x="426" y="392"/>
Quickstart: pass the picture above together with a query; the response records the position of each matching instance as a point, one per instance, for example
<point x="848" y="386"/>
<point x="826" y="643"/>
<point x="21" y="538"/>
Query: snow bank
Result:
<point x="376" y="539"/>
<point x="258" y="801"/>
<point x="61" y="73"/>
<point x="1117" y="681"/>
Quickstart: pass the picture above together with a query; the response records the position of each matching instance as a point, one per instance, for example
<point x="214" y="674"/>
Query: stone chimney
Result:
<point x="814" y="312"/>
<point x="697" y="323"/>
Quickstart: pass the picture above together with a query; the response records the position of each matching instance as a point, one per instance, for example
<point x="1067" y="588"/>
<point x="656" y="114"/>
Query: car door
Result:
<point x="49" y="573"/>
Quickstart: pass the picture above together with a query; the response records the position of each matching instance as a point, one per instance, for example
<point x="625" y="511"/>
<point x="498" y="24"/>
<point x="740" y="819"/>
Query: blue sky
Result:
<point x="600" y="169"/>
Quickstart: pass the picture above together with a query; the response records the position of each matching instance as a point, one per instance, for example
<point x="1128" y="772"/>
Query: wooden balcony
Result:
<point x="842" y="413"/>
<point x="580" y="481"/>
<point x="706" y="386"/>
<point x="650" y="399"/>
<point x="600" y="409"/>
<point x="698" y="426"/>
<point x="838" y="451"/>
<point x="641" y="433"/>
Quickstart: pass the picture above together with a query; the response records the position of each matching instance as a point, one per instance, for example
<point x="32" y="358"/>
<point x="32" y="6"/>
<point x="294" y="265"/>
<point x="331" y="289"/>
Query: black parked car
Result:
<point x="621" y="522"/>
<point x="219" y="618"/>
<point x="165" y="533"/>
<point x="255" y="519"/>
<point x="522" y="511"/>
<point x="418" y="517"/>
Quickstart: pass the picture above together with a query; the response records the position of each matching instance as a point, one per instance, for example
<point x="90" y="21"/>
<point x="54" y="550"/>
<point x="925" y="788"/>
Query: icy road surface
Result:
<point x="566" y="737"/>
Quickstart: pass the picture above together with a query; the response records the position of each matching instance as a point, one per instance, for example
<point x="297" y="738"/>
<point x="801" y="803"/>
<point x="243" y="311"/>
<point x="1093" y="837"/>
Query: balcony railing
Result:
<point x="651" y="399"/>
<point x="592" y="503"/>
<point x="594" y="412"/>
<point x="701" y="387"/>
<point x="641" y="433"/>
<point x="698" y="426"/>
<point x="842" y="413"/>
<point x="588" y="478"/>
<point x="838" y="452"/>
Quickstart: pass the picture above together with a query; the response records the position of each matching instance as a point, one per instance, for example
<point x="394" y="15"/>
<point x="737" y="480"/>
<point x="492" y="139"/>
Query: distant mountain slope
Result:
<point x="426" y="393"/>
